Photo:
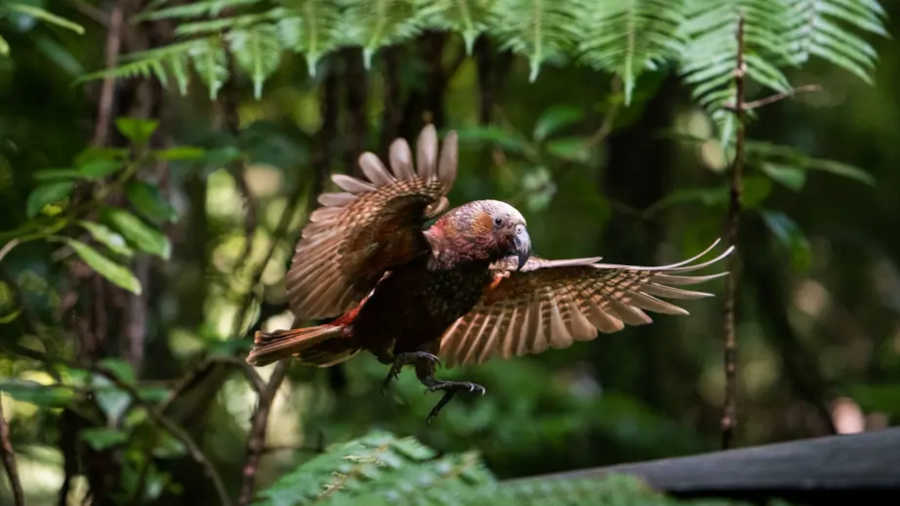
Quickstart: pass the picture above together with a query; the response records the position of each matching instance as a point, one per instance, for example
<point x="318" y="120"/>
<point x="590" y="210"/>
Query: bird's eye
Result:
<point x="498" y="221"/>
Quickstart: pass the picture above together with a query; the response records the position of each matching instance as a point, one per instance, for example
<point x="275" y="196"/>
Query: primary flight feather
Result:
<point x="465" y="289"/>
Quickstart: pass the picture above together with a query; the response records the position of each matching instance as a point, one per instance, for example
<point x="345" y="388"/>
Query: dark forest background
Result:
<point x="113" y="186"/>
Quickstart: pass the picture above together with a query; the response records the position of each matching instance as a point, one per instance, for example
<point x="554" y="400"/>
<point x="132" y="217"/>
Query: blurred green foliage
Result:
<point x="153" y="255"/>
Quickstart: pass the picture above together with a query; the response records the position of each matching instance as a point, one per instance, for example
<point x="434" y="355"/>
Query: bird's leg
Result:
<point x="402" y="359"/>
<point x="425" y="373"/>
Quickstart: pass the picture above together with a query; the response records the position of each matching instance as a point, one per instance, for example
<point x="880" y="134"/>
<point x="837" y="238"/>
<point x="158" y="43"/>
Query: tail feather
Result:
<point x="322" y="346"/>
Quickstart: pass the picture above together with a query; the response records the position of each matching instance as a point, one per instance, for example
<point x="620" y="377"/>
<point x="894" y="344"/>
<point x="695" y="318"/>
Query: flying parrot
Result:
<point x="465" y="289"/>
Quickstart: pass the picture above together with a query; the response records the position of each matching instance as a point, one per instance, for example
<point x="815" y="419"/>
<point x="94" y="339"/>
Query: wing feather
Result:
<point x="372" y="225"/>
<point x="553" y="303"/>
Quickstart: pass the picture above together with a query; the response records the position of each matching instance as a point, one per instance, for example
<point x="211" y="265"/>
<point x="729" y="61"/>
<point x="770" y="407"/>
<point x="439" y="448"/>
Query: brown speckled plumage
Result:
<point x="462" y="288"/>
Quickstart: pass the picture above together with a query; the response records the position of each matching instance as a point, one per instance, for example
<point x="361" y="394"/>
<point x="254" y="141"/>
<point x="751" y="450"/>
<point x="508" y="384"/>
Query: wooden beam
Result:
<point x="867" y="463"/>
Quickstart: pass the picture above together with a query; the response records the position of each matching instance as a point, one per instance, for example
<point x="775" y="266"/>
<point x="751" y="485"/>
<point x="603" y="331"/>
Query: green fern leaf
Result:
<point x="43" y="15"/>
<point x="311" y="27"/>
<point x="376" y="23"/>
<point x="210" y="63"/>
<point x="538" y="29"/>
<point x="711" y="51"/>
<point x="210" y="8"/>
<point x="209" y="26"/>
<point x="632" y="36"/>
<point x="257" y="51"/>
<point x="825" y="28"/>
<point x="468" y="17"/>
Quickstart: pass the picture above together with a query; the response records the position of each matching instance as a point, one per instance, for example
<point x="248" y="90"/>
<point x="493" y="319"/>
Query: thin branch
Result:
<point x="256" y="442"/>
<point x="8" y="247"/>
<point x="199" y="372"/>
<point x="729" y="412"/>
<point x="771" y="99"/>
<point x="105" y="104"/>
<point x="175" y="430"/>
<point x="9" y="460"/>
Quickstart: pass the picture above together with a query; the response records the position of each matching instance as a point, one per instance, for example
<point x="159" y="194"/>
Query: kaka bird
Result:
<point x="465" y="289"/>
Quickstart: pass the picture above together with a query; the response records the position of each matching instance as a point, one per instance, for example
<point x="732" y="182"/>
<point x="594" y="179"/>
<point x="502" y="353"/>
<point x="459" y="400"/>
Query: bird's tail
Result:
<point x="321" y="346"/>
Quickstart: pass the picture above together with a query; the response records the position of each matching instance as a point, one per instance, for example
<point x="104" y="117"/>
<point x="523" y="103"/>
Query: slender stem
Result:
<point x="256" y="439"/>
<point x="256" y="442"/>
<point x="729" y="414"/>
<point x="771" y="99"/>
<point x="8" y="247"/>
<point x="175" y="430"/>
<point x="9" y="460"/>
<point x="105" y="104"/>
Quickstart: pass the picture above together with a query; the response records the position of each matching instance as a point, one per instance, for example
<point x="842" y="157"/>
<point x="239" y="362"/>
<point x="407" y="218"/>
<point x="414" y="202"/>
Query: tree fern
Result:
<point x="631" y="36"/>
<point x="467" y="17"/>
<point x="537" y="29"/>
<point x="380" y="469"/>
<point x="825" y="28"/>
<point x="625" y="37"/>
<point x="257" y="51"/>
<point x="711" y="52"/>
<point x="376" y="23"/>
<point x="311" y="27"/>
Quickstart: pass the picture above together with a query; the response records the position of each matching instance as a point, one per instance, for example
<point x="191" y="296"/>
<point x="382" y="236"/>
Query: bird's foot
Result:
<point x="450" y="388"/>
<point x="407" y="358"/>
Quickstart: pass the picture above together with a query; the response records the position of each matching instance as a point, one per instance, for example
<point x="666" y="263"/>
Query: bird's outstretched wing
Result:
<point x="373" y="225"/>
<point x="552" y="303"/>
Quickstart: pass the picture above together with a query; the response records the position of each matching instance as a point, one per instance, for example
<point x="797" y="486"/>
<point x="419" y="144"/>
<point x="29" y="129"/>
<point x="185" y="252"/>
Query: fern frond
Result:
<point x="43" y="15"/>
<point x="209" y="26"/>
<point x="711" y="52"/>
<point x="378" y="469"/>
<point x="171" y="60"/>
<point x="257" y="51"/>
<point x="825" y="28"/>
<point x="210" y="63"/>
<point x="192" y="9"/>
<point x="376" y="23"/>
<point x="468" y="17"/>
<point x="311" y="27"/>
<point x="538" y="29"/>
<point x="629" y="37"/>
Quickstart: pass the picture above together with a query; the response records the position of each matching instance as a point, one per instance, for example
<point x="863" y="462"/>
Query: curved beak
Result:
<point x="522" y="244"/>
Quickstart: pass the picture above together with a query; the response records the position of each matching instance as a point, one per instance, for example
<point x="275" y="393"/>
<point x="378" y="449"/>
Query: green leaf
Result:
<point x="791" y="177"/>
<point x="115" y="273"/>
<point x="573" y="149"/>
<point x="99" y="168"/>
<point x="48" y="396"/>
<point x="181" y="153"/>
<point x="121" y="369"/>
<point x="137" y="130"/>
<point x="257" y="51"/>
<point x="108" y="237"/>
<point x="137" y="232"/>
<point x="101" y="438"/>
<point x="53" y="174"/>
<point x="148" y="200"/>
<point x="47" y="193"/>
<point x="755" y="191"/>
<point x="790" y="236"/>
<point x="556" y="118"/>
<point x="44" y="15"/>
<point x="4" y="47"/>
<point x="505" y="138"/>
<point x="711" y="197"/>
<point x="93" y="153"/>
<point x="538" y="29"/>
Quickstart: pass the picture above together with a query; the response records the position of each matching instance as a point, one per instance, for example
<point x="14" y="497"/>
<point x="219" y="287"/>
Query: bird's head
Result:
<point x="484" y="230"/>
